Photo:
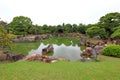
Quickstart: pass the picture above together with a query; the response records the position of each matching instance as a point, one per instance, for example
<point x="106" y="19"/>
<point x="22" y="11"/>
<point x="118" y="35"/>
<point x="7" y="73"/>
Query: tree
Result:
<point x="60" y="29"/>
<point x="20" y="25"/>
<point x="75" y="28"/>
<point x="34" y="29"/>
<point x="96" y="31"/>
<point x="40" y="30"/>
<point x="52" y="29"/>
<point x="110" y="21"/>
<point x="68" y="28"/>
<point x="82" y="28"/>
<point x="116" y="34"/>
<point x="45" y="29"/>
<point x="5" y="38"/>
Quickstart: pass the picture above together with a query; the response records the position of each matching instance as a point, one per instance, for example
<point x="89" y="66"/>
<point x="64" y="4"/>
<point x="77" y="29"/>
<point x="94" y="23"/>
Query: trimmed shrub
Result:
<point x="96" y="31"/>
<point x="112" y="50"/>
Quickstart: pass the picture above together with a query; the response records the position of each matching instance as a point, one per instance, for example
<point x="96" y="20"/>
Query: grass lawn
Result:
<point x="107" y="69"/>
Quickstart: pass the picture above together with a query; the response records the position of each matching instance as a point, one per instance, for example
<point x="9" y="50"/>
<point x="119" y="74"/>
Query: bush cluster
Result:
<point x="112" y="50"/>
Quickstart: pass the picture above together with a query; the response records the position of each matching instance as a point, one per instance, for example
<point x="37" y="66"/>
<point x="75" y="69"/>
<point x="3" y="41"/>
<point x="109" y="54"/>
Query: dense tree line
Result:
<point x="23" y="25"/>
<point x="107" y="27"/>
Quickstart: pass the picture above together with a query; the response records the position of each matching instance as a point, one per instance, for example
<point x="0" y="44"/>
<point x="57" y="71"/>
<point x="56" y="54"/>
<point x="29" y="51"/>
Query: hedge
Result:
<point x="112" y="50"/>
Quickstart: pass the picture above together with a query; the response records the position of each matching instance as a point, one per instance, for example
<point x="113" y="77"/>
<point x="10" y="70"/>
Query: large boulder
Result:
<point x="38" y="57"/>
<point x="13" y="56"/>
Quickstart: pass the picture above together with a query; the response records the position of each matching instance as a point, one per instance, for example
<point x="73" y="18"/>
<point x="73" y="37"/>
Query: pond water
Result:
<point x="71" y="53"/>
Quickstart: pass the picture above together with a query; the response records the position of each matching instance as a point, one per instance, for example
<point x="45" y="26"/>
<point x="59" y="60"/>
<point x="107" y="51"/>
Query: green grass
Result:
<point x="24" y="47"/>
<point x="107" y="69"/>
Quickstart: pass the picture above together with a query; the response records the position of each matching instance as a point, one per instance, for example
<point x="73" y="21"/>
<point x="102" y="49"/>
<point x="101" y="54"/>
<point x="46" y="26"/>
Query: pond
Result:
<point x="71" y="53"/>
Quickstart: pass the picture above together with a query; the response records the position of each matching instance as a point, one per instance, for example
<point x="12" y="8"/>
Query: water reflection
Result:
<point x="39" y="50"/>
<point x="71" y="53"/>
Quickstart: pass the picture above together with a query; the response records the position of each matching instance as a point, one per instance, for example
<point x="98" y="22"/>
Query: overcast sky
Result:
<point x="54" y="12"/>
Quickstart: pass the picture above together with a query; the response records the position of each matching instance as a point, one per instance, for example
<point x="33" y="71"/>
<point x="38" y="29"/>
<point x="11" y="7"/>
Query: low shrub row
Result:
<point x="112" y="50"/>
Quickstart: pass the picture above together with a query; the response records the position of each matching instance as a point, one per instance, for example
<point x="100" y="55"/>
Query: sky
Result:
<point x="54" y="12"/>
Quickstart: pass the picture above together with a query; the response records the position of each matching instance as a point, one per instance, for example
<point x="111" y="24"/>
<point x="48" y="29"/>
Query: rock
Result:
<point x="47" y="50"/>
<point x="13" y="56"/>
<point x="38" y="57"/>
<point x="2" y="56"/>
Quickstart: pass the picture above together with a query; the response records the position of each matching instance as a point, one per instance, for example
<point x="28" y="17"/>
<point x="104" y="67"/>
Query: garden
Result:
<point x="89" y="52"/>
<point x="107" y="68"/>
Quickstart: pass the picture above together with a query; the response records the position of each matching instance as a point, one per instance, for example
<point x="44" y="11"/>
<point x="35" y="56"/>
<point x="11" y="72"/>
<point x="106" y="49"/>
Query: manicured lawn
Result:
<point x="107" y="69"/>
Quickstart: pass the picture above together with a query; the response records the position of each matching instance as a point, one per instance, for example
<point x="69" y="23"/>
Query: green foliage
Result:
<point x="61" y="40"/>
<point x="82" y="28"/>
<point x="52" y="29"/>
<point x="34" y="29"/>
<point x="102" y="33"/>
<point x="75" y="28"/>
<point x="45" y="29"/>
<point x="20" y="25"/>
<point x="112" y="50"/>
<point x="92" y="31"/>
<point x="5" y="38"/>
<point x="95" y="31"/>
<point x="67" y="28"/>
<point x="116" y="28"/>
<point x="60" y="29"/>
<point x="109" y="22"/>
<point x="116" y="34"/>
